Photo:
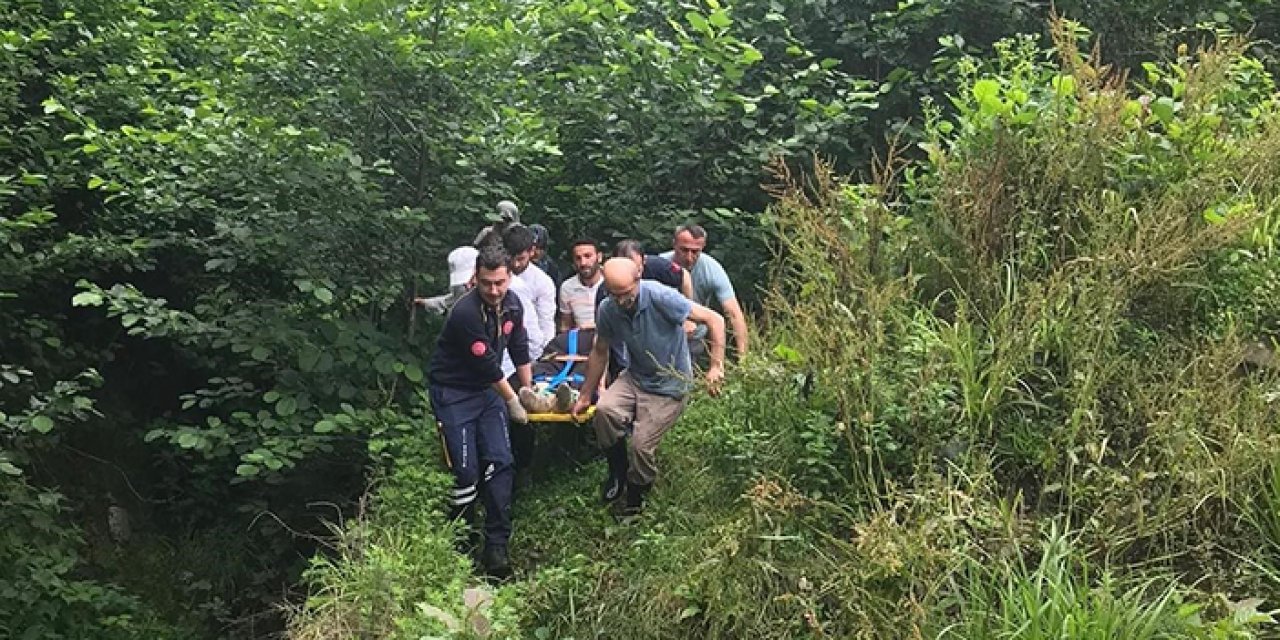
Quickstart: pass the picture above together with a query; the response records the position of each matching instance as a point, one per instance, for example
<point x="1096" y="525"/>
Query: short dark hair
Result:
<point x="490" y="258"/>
<point x="694" y="230"/>
<point x="584" y="242"/>
<point x="627" y="248"/>
<point x="517" y="240"/>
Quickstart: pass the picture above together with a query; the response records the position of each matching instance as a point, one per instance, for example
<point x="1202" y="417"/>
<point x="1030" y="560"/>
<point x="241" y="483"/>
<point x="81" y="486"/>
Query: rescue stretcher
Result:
<point x="582" y="418"/>
<point x="558" y="417"/>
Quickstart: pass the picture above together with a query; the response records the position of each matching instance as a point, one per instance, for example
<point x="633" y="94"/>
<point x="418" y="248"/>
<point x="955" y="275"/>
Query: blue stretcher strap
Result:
<point x="568" y="366"/>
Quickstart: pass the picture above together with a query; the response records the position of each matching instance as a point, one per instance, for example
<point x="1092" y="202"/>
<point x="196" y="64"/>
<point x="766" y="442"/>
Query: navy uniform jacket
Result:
<point x="469" y="350"/>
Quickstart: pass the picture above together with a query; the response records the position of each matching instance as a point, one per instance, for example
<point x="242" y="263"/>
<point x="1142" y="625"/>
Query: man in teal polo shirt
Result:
<point x="711" y="285"/>
<point x="652" y="393"/>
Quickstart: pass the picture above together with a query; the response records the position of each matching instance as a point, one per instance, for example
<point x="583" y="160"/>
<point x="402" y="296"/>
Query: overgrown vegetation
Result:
<point x="1027" y="353"/>
<point x="1007" y="394"/>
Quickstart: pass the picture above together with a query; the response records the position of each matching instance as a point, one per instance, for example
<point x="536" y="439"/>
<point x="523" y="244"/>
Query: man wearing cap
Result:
<point x="508" y="216"/>
<point x="647" y="398"/>
<point x="473" y="401"/>
<point x="541" y="241"/>
<point x="711" y="285"/>
<point x="462" y="266"/>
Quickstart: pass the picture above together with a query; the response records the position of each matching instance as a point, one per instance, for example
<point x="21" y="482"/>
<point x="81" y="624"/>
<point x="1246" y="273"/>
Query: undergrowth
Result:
<point x="1003" y="393"/>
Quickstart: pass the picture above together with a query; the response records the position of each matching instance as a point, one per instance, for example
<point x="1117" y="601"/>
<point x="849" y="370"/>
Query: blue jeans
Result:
<point x="473" y="424"/>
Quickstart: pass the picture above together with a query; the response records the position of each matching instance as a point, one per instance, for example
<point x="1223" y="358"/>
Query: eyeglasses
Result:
<point x="626" y="298"/>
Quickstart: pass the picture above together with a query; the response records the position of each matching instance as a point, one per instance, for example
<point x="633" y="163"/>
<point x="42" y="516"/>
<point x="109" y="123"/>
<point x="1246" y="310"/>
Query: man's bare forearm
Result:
<point x="740" y="332"/>
<point x="597" y="363"/>
<point x="716" y="339"/>
<point x="504" y="389"/>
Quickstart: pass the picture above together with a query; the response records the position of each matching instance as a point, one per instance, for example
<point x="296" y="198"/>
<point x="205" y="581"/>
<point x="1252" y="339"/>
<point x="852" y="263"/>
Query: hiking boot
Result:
<point x="523" y="480"/>
<point x="633" y="505"/>
<point x="467" y="543"/>
<point x="616" y="481"/>
<point x="565" y="397"/>
<point x="494" y="560"/>
<point x="535" y="402"/>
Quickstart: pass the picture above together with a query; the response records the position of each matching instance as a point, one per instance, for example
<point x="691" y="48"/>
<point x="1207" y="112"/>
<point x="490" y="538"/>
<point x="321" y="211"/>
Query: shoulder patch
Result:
<point x="508" y="327"/>
<point x="479" y="348"/>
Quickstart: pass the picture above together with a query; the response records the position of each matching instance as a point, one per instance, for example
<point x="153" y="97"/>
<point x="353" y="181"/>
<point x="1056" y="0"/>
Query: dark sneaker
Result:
<point x="630" y="509"/>
<point x="495" y="561"/>
<point x="611" y="489"/>
<point x="523" y="480"/>
<point x="564" y="398"/>
<point x="615" y="482"/>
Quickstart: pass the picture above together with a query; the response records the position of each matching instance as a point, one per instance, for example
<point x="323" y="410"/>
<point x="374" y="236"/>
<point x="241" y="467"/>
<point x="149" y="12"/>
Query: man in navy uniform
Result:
<point x="473" y="401"/>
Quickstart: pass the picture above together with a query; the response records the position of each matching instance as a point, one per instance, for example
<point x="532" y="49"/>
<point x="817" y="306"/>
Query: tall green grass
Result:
<point x="999" y="392"/>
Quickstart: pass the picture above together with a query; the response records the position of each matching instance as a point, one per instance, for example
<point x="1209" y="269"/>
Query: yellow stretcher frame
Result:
<point x="563" y="417"/>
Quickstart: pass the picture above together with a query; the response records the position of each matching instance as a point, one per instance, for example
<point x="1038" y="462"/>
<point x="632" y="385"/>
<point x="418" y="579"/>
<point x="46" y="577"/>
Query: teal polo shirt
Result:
<point x="654" y="335"/>
<point x="711" y="285"/>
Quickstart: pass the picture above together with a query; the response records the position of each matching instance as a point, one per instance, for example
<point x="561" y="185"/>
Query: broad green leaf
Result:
<point x="287" y="406"/>
<point x="696" y="21"/>
<point x="87" y="299"/>
<point x="7" y="468"/>
<point x="1163" y="108"/>
<point x="719" y="18"/>
<point x="248" y="470"/>
<point x="188" y="440"/>
<point x="43" y="424"/>
<point x="323" y="294"/>
<point x="986" y="90"/>
<point x="325" y="426"/>
<point x="308" y="357"/>
<point x="413" y="372"/>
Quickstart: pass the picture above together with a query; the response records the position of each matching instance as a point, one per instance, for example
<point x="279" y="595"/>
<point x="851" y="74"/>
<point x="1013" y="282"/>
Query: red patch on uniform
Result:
<point x="507" y="327"/>
<point x="675" y="268"/>
<point x="479" y="348"/>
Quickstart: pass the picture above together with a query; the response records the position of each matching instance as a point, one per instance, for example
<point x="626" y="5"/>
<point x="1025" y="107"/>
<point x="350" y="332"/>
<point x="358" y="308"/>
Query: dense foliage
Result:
<point x="213" y="212"/>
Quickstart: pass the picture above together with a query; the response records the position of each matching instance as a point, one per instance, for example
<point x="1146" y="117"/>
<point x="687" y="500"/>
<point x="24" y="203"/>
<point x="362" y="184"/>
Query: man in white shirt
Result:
<point x="537" y="294"/>
<point x="536" y="291"/>
<point x="578" y="293"/>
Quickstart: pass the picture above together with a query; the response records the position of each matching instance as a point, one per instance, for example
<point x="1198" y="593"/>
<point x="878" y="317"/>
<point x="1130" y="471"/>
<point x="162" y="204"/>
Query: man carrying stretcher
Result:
<point x="472" y="400"/>
<point x="651" y="394"/>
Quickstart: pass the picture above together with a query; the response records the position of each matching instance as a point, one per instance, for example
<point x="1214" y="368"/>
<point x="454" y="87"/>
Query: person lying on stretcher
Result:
<point x="559" y="373"/>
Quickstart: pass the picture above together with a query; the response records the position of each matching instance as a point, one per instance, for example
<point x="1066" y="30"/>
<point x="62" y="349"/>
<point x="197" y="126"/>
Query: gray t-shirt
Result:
<point x="654" y="335"/>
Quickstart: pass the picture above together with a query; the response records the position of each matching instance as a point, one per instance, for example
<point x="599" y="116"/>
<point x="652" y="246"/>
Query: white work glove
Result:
<point x="515" y="410"/>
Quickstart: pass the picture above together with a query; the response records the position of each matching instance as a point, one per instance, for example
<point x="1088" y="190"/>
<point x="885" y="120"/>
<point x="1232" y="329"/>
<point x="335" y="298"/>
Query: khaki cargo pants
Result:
<point x="649" y="415"/>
